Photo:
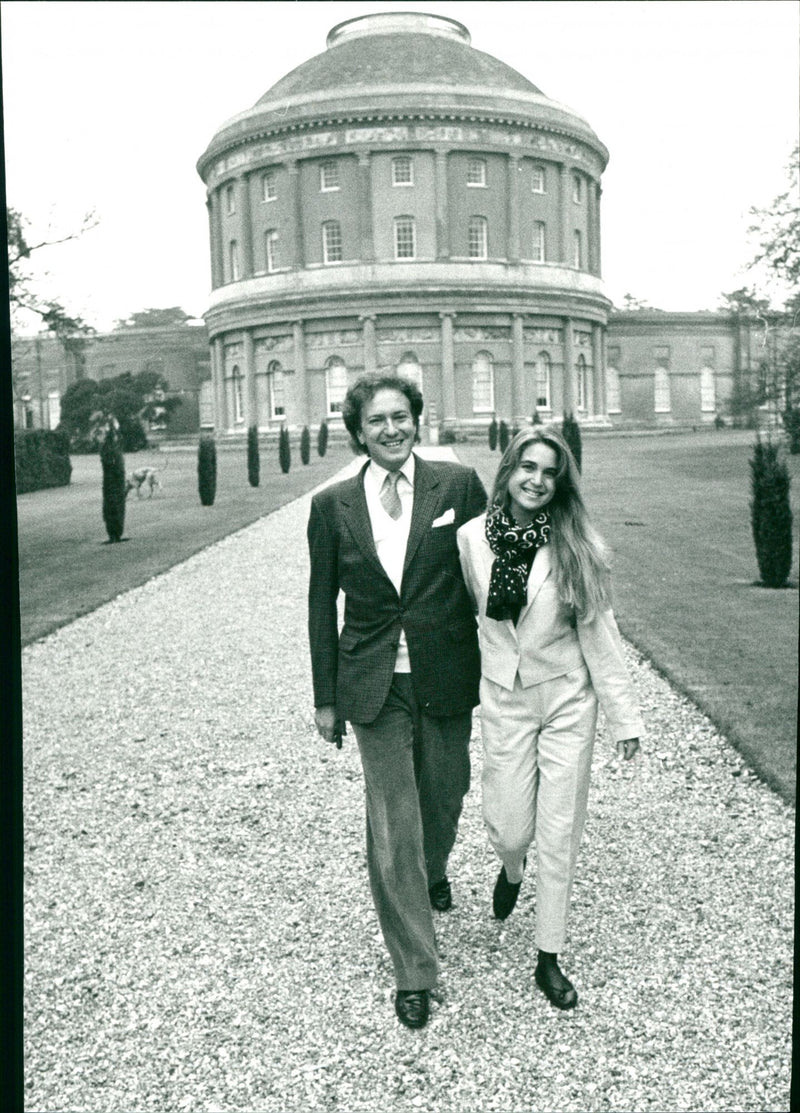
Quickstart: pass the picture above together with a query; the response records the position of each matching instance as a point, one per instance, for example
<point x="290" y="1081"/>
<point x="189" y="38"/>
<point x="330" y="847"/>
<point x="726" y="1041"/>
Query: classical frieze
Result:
<point x="274" y="344"/>
<point x="408" y="335"/>
<point x="542" y="335"/>
<point x="481" y="332"/>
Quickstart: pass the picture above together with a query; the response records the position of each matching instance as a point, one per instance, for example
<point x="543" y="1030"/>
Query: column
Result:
<point x="568" y="381"/>
<point x="599" y="255"/>
<point x="598" y="372"/>
<point x="517" y="370"/>
<point x="365" y="208"/>
<point x="514" y="181"/>
<point x="440" y="189"/>
<point x="216" y="280"/>
<point x="591" y="253"/>
<point x="245" y="224"/>
<point x="293" y="173"/>
<point x="218" y="376"/>
<point x="370" y="343"/>
<point x="301" y="380"/>
<point x="448" y="370"/>
<point x="250" y="399"/>
<point x="217" y="258"/>
<point x="565" y="197"/>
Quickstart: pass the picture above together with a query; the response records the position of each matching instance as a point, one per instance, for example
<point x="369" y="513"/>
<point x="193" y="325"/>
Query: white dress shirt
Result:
<point x="390" y="535"/>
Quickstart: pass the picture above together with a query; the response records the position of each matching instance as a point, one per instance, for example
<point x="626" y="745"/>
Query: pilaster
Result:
<point x="568" y="391"/>
<point x="298" y="246"/>
<point x="565" y="208"/>
<point x="218" y="375"/>
<point x="440" y="188"/>
<point x="250" y="398"/>
<point x="301" y="376"/>
<point x="370" y="343"/>
<point x="517" y="370"/>
<point x="245" y="225"/>
<point x="514" y="182"/>
<point x="365" y="207"/>
<point x="448" y="370"/>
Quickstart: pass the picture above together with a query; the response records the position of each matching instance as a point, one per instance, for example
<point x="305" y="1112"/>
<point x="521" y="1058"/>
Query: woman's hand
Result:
<point x="627" y="747"/>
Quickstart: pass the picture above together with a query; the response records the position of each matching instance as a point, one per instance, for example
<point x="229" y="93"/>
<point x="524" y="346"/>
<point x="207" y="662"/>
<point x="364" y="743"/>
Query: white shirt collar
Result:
<point x="379" y="474"/>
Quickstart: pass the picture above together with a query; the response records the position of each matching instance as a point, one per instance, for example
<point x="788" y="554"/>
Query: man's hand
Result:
<point x="627" y="747"/>
<point x="329" y="726"/>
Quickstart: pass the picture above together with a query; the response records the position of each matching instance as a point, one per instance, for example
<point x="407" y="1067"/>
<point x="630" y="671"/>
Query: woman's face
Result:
<point x="532" y="484"/>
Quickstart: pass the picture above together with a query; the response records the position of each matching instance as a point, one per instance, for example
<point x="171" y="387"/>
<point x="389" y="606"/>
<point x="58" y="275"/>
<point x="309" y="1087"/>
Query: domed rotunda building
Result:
<point x="405" y="201"/>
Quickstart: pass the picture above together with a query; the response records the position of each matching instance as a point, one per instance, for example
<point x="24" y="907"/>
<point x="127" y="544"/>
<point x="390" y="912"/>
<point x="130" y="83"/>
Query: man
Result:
<point x="405" y="669"/>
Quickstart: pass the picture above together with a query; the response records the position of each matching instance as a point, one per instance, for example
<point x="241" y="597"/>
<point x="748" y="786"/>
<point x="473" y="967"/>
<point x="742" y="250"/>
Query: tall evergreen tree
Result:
<point x="571" y="432"/>
<point x="322" y="439"/>
<point x="770" y="513"/>
<point x="284" y="450"/>
<point x="114" y="492"/>
<point x="207" y="469"/>
<point x="305" y="445"/>
<point x="253" y="458"/>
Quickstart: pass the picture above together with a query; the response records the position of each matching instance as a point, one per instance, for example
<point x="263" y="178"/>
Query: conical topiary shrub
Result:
<point x="503" y="436"/>
<point x="114" y="486"/>
<point x="770" y="514"/>
<point x="253" y="459"/>
<point x="536" y="420"/>
<point x="207" y="469"/>
<point x="493" y="434"/>
<point x="322" y="439"/>
<point x="284" y="450"/>
<point x="571" y="432"/>
<point x="305" y="445"/>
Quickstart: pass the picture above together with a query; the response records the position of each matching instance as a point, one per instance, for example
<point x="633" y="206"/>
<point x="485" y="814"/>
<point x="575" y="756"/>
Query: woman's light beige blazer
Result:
<point x="548" y="640"/>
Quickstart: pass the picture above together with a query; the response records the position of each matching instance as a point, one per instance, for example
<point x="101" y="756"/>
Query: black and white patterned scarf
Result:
<point x="514" y="548"/>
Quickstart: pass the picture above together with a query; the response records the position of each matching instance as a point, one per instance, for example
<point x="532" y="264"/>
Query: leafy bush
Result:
<point x="114" y="489"/>
<point x="791" y="423"/>
<point x="493" y="434"/>
<point x="719" y="422"/>
<point x="305" y="445"/>
<point x="770" y="514"/>
<point x="571" y="432"/>
<point x="284" y="450"/>
<point x="447" y="436"/>
<point x="322" y="439"/>
<point x="207" y="469"/>
<point x="503" y="436"/>
<point x="253" y="459"/>
<point x="41" y="458"/>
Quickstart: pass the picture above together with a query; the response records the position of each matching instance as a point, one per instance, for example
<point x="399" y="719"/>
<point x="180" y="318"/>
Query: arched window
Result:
<point x="271" y="250"/>
<point x="230" y="200"/>
<point x="708" y="392"/>
<point x="538" y="180"/>
<point x="409" y="368"/>
<point x="543" y="381"/>
<point x="583" y="393"/>
<point x="335" y="384"/>
<point x="238" y="393"/>
<point x="269" y="188"/>
<point x="402" y="171"/>
<point x="577" y="189"/>
<point x="478" y="238"/>
<point x="276" y="400"/>
<point x="482" y="384"/>
<point x="331" y="242"/>
<point x="405" y="241"/>
<point x="613" y="391"/>
<point x="539" y="252"/>
<point x="662" y="401"/>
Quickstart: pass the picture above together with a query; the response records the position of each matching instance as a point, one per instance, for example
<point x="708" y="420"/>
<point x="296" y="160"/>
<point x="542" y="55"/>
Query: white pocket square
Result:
<point x="446" y="519"/>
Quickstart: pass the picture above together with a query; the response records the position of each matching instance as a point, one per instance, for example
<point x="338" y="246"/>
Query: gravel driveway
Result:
<point x="199" y="931"/>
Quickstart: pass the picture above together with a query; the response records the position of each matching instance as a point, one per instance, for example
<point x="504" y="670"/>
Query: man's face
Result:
<point x="387" y="429"/>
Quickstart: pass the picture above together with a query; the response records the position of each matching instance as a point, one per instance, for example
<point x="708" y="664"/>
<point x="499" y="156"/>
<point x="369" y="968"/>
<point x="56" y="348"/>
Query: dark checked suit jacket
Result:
<point x="353" y="670"/>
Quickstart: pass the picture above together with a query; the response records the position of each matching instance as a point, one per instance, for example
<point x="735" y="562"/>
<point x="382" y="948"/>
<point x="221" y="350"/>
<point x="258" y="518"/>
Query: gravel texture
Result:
<point x="199" y="931"/>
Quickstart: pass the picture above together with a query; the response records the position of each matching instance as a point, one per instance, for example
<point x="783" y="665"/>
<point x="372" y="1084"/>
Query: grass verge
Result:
<point x="66" y="566"/>
<point x="675" y="511"/>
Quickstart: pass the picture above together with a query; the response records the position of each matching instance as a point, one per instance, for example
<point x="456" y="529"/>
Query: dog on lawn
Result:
<point x="142" y="477"/>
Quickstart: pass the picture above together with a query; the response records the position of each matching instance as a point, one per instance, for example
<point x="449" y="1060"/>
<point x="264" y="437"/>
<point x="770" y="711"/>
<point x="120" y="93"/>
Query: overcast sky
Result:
<point x="109" y="105"/>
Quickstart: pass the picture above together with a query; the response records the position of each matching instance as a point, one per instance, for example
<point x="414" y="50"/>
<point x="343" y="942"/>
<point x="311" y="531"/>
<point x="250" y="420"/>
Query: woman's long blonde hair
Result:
<point x="580" y="556"/>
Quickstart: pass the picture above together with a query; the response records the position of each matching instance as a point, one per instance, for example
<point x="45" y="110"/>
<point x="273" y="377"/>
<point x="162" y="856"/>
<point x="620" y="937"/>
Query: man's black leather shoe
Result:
<point x="441" y="896"/>
<point x="505" y="895"/>
<point x="413" y="1007"/>
<point x="558" y="990"/>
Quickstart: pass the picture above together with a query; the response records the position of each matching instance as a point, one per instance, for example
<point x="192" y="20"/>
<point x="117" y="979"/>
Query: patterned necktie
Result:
<point x="389" y="496"/>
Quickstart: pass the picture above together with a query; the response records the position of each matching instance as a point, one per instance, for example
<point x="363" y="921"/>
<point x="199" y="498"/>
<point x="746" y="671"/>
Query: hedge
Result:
<point x="42" y="459"/>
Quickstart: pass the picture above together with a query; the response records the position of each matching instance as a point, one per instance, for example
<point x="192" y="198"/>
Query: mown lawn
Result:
<point x="68" y="569"/>
<point x="675" y="510"/>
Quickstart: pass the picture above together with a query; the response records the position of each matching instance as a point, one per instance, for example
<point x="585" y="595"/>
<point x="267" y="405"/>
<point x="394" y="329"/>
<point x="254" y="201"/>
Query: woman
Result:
<point x="550" y="649"/>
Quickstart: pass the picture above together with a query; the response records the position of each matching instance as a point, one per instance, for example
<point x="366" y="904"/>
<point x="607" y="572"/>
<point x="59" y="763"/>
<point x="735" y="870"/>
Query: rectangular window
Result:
<point x="271" y="250"/>
<point x="404" y="238"/>
<point x="577" y="250"/>
<point x="269" y="190"/>
<point x="538" y="180"/>
<point x="539" y="241"/>
<point x="230" y="200"/>
<point x="233" y="261"/>
<point x="577" y="189"/>
<point x="329" y="176"/>
<point x="402" y="171"/>
<point x="478" y="238"/>
<point x="662" y="401"/>
<point x="331" y="242"/>
<point x="476" y="172"/>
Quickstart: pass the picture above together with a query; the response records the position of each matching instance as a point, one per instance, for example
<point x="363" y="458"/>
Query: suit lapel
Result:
<point x="426" y="499"/>
<point x="540" y="570"/>
<point x="355" y="516"/>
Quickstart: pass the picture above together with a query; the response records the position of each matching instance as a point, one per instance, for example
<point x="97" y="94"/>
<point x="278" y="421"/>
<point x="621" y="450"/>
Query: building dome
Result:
<point x="403" y="199"/>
